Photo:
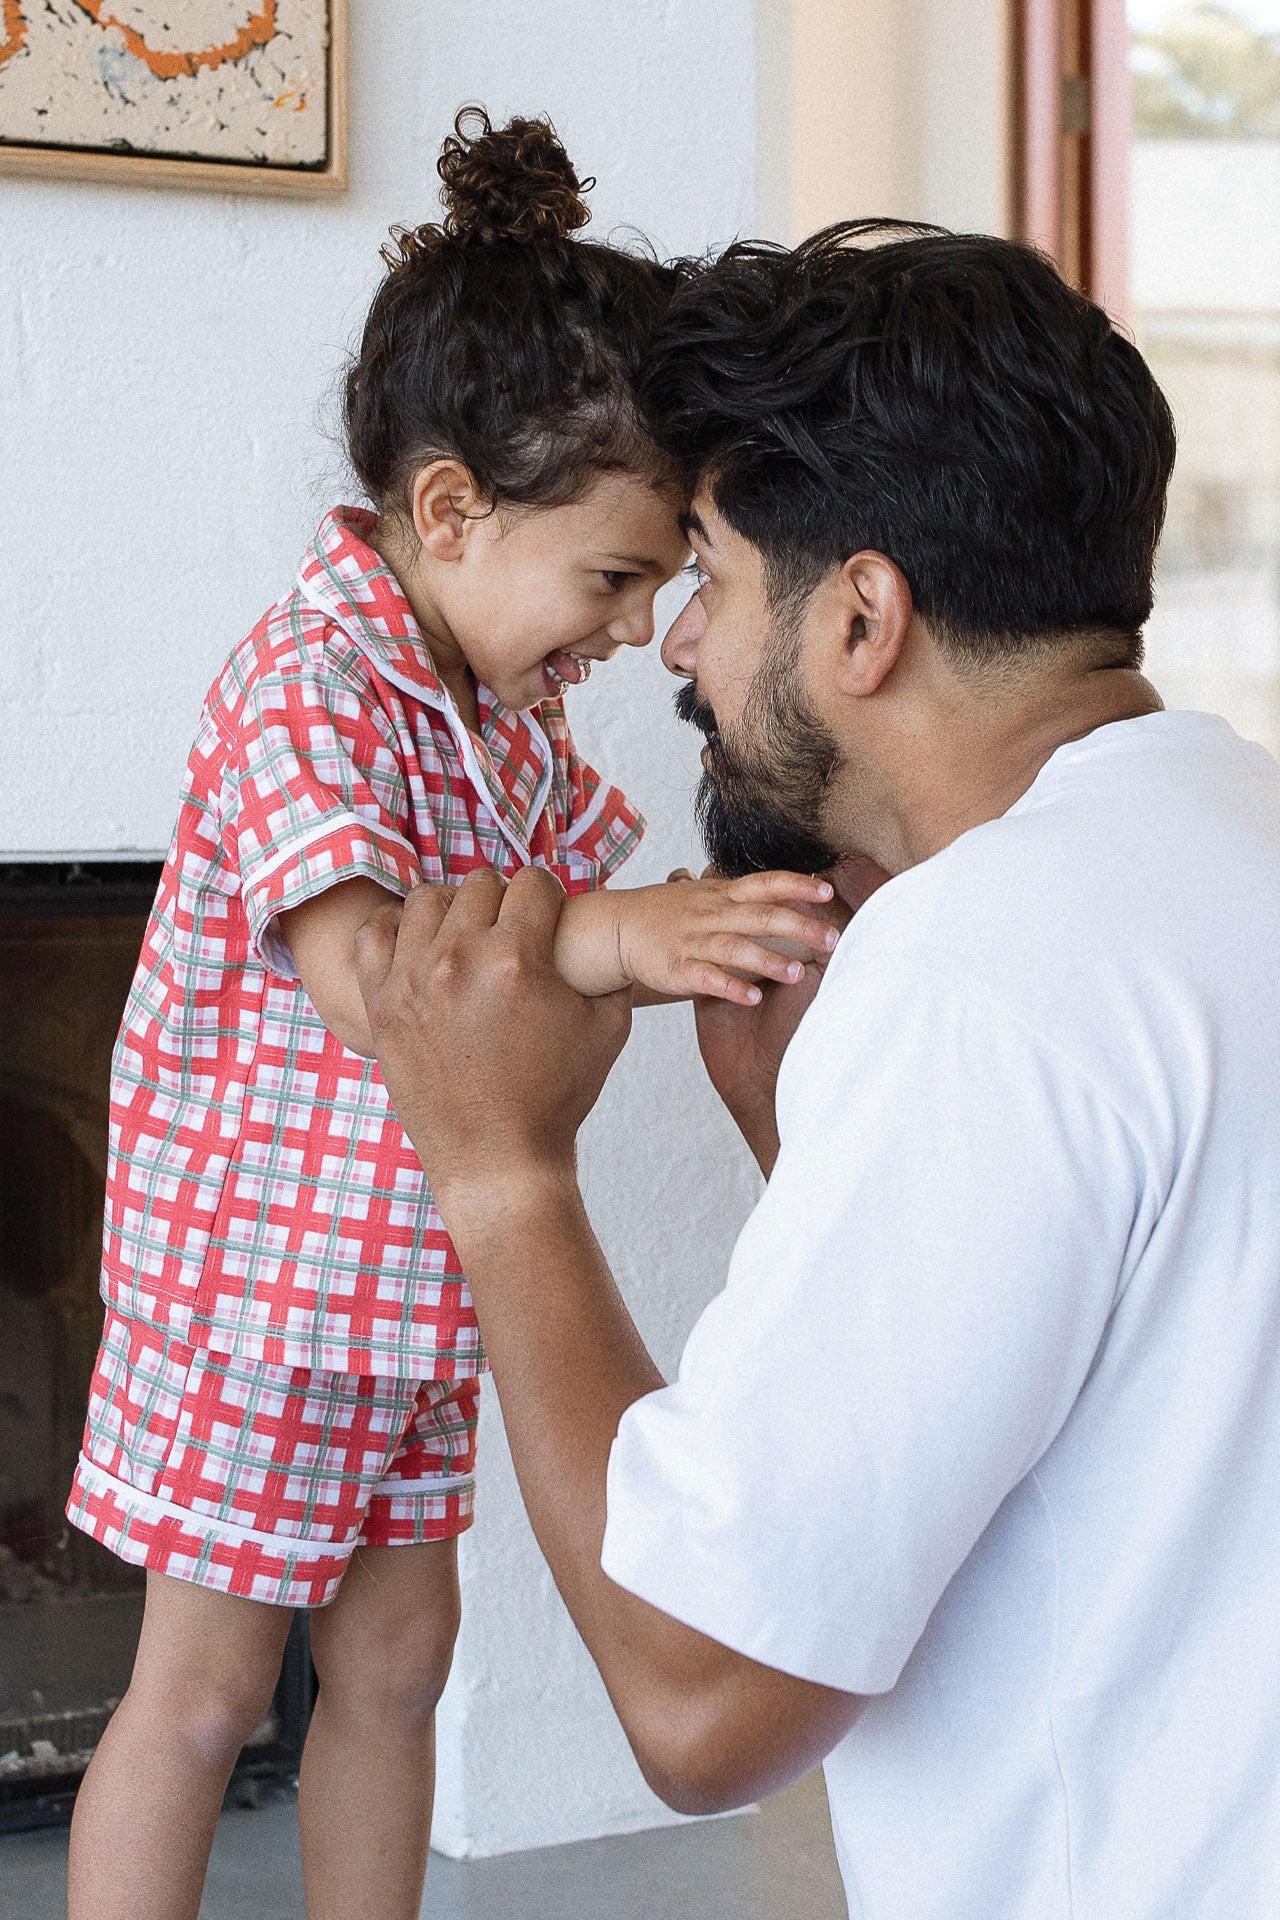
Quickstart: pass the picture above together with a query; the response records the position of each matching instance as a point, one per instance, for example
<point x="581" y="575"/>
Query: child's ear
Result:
<point x="446" y="504"/>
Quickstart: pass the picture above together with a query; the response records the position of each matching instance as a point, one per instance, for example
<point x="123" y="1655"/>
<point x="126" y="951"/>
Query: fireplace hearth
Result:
<point x="70" y="1612"/>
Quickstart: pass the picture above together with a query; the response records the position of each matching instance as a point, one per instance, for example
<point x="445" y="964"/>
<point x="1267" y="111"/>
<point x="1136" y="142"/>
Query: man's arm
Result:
<point x="496" y="1126"/>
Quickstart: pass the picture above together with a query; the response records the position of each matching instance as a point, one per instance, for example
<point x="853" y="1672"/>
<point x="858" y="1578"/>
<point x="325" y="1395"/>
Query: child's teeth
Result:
<point x="574" y="671"/>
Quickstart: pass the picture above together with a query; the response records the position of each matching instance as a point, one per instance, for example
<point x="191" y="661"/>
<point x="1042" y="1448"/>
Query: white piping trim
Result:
<point x="543" y="745"/>
<point x="296" y="848"/>
<point x="466" y="747"/>
<point x="97" y="1478"/>
<point x="589" y="818"/>
<point x="461" y="733"/>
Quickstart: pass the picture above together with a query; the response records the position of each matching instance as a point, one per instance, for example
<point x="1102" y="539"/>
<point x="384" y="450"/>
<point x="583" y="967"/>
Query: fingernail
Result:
<point x="754" y="996"/>
<point x="831" y="939"/>
<point x="795" y="970"/>
<point x="827" y="890"/>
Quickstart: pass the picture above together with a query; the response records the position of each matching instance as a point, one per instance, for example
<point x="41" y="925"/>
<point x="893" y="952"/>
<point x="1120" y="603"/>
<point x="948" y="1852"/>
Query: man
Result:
<point x="970" y="1481"/>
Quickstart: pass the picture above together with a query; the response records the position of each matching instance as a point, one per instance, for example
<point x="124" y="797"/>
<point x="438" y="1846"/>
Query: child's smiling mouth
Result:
<point x="565" y="669"/>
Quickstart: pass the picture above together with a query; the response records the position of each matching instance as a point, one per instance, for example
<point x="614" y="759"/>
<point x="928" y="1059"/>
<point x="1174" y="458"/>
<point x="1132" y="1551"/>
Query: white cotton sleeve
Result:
<point x="910" y="1314"/>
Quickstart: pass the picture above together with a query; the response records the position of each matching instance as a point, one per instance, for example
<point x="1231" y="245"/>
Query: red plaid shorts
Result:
<point x="263" y="1480"/>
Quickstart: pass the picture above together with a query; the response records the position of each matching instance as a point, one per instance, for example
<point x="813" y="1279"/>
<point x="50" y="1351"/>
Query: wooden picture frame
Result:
<point x="135" y="168"/>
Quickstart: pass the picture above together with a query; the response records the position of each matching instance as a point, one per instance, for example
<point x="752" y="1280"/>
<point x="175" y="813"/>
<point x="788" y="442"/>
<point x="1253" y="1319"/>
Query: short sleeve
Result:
<point x="319" y="796"/>
<point x="910" y="1314"/>
<point x="601" y="829"/>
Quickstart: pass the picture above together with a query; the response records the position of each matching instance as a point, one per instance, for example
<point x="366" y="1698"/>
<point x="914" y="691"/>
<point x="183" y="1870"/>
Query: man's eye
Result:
<point x="694" y="573"/>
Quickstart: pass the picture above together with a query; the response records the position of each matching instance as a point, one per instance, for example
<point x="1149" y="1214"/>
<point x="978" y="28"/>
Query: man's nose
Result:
<point x="680" y="648"/>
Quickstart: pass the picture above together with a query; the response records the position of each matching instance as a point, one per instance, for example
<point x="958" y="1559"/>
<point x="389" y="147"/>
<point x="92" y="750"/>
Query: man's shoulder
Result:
<point x="1123" y="852"/>
<point x="1114" y="924"/>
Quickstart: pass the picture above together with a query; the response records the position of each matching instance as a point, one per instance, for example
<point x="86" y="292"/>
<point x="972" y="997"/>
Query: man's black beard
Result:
<point x="759" y="806"/>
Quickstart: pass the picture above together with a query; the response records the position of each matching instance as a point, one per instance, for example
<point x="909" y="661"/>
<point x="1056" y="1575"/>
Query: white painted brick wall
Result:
<point x="167" y="361"/>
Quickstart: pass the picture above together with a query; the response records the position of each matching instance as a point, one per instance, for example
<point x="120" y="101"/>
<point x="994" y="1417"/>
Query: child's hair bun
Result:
<point x="509" y="183"/>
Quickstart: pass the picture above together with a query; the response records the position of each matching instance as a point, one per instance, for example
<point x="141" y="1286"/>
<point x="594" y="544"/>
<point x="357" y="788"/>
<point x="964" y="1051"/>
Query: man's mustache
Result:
<point x="695" y="711"/>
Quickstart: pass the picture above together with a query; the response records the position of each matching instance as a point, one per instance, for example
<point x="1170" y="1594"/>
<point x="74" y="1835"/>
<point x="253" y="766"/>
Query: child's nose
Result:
<point x="636" y="630"/>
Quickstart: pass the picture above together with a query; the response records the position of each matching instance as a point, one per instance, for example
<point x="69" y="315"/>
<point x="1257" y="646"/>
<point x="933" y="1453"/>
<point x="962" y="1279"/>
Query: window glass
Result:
<point x="1205" y="291"/>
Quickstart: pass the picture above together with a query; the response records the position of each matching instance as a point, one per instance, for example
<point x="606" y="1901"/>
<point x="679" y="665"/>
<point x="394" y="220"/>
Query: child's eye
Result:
<point x="615" y="581"/>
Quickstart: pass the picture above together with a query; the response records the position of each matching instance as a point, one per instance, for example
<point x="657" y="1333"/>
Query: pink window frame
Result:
<point x="1070" y="185"/>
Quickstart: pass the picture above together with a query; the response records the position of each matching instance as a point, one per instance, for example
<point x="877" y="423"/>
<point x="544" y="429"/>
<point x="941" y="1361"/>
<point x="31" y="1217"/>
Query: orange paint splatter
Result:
<point x="14" y="22"/>
<point x="257" y="30"/>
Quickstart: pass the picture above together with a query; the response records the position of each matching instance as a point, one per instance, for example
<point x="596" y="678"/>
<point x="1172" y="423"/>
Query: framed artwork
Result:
<point x="239" y="95"/>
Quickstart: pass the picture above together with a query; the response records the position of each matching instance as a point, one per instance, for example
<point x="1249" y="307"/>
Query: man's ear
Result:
<point x="446" y="504"/>
<point x="872" y="610"/>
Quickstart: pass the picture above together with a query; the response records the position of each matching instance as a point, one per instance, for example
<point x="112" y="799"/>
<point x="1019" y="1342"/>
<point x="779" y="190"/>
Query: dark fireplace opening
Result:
<point x="70" y="1612"/>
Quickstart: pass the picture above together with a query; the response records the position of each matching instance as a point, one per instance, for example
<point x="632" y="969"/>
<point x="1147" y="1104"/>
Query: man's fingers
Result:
<point x="476" y="902"/>
<point x="532" y="905"/>
<point x="375" y="948"/>
<point x="425" y="908"/>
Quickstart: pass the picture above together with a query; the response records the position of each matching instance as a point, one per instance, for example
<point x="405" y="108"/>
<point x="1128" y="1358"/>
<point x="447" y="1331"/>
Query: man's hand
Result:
<point x="742" y="1046"/>
<point x="491" y="1060"/>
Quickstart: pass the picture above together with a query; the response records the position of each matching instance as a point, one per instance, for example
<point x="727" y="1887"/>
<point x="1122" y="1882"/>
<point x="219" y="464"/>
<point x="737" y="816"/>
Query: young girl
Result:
<point x="284" y="1407"/>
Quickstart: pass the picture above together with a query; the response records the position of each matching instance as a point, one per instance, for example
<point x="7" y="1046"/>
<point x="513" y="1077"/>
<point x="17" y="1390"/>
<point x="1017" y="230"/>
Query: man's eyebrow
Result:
<point x="691" y="524"/>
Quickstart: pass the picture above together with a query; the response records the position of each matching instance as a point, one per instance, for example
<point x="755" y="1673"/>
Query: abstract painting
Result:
<point x="228" y="92"/>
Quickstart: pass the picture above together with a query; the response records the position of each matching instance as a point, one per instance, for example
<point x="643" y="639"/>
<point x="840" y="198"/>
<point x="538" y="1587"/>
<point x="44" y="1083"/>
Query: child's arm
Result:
<point x="668" y="942"/>
<point x="694" y="936"/>
<point x="321" y="936"/>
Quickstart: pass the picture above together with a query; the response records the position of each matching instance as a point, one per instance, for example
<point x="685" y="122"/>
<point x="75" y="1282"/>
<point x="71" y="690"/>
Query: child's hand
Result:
<point x="715" y="937"/>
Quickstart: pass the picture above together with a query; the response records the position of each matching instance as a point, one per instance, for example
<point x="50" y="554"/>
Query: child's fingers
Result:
<point x="706" y="981"/>
<point x="780" y="886"/>
<point x="782" y="923"/>
<point x="733" y="952"/>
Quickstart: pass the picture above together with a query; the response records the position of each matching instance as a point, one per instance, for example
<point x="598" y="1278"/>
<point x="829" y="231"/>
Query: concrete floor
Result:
<point x="776" y="1863"/>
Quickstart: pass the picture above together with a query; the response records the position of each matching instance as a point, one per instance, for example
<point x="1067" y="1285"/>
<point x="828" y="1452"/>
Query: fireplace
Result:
<point x="69" y="1610"/>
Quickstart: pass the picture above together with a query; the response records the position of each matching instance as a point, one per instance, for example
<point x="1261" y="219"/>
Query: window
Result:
<point x="1148" y="163"/>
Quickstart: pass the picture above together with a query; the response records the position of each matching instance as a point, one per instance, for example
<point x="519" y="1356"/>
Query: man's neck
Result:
<point x="968" y="753"/>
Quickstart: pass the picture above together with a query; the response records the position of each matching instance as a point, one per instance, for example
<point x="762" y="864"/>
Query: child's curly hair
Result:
<point x="499" y="340"/>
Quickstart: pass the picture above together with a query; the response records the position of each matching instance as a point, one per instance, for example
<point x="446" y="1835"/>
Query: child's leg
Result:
<point x="382" y="1650"/>
<point x="205" y="1671"/>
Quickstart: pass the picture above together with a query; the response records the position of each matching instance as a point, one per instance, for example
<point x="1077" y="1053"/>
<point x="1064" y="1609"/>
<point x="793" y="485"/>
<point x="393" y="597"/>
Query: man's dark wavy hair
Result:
<point x="944" y="399"/>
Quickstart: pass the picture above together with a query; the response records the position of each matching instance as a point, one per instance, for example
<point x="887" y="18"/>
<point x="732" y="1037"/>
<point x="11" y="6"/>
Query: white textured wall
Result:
<point x="166" y="357"/>
<point x="882" y="107"/>
<point x="166" y="361"/>
<point x="165" y="364"/>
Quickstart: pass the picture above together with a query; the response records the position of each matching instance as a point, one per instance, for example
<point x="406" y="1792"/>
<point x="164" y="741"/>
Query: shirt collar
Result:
<point x="346" y="580"/>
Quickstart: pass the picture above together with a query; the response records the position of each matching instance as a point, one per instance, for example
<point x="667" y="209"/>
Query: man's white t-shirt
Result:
<point x="986" y="1422"/>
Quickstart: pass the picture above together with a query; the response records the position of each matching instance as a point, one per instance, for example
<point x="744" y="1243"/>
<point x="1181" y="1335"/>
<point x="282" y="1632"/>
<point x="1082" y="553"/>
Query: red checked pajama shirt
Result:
<point x="262" y="1197"/>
